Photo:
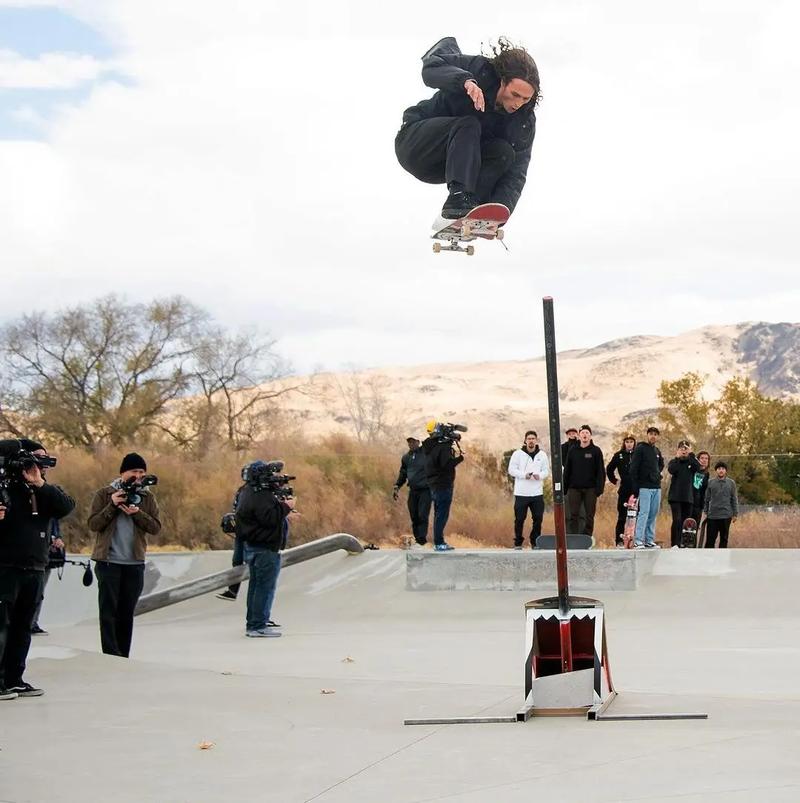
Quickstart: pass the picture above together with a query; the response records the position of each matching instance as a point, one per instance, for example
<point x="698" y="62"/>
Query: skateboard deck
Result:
<point x="689" y="534"/>
<point x="483" y="221"/>
<point x="629" y="533"/>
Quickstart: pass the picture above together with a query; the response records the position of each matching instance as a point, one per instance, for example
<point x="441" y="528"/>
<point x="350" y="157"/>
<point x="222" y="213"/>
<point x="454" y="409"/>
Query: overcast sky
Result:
<point x="241" y="153"/>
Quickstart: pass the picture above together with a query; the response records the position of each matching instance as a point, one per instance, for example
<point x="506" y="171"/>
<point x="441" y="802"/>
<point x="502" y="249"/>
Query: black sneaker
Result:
<point x="270" y="623"/>
<point x="38" y="631"/>
<point x="24" y="689"/>
<point x="227" y="595"/>
<point x="5" y="694"/>
<point x="458" y="203"/>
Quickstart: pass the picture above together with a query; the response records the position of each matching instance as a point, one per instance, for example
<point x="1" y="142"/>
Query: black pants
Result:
<point x="236" y="560"/>
<point x="577" y="497"/>
<point x="118" y="588"/>
<point x="522" y="504"/>
<point x="680" y="512"/>
<point x="622" y="516"/>
<point x="445" y="149"/>
<point x="419" y="508"/>
<point x="20" y="591"/>
<point x="714" y="527"/>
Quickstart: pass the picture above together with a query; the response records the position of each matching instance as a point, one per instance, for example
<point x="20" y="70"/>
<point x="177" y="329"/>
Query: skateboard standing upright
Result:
<point x="483" y="221"/>
<point x="689" y="534"/>
<point x="629" y="533"/>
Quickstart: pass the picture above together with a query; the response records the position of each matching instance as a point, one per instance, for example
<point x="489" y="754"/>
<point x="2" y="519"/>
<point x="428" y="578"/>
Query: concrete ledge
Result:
<point x="531" y="570"/>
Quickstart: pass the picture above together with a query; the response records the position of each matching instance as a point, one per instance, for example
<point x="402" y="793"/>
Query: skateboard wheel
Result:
<point x="500" y="234"/>
<point x="437" y="247"/>
<point x="470" y="250"/>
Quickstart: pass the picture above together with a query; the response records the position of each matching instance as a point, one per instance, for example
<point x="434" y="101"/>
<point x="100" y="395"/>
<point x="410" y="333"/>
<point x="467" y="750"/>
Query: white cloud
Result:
<point x="251" y="167"/>
<point x="49" y="71"/>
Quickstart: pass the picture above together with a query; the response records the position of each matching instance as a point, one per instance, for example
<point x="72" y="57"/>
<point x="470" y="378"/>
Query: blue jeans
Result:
<point x="265" y="566"/>
<point x="442" y="499"/>
<point x="649" y="503"/>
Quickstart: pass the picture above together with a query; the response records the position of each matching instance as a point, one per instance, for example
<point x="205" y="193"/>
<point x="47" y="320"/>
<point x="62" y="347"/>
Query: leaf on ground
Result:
<point x="348" y="660"/>
<point x="204" y="745"/>
<point x="327" y="691"/>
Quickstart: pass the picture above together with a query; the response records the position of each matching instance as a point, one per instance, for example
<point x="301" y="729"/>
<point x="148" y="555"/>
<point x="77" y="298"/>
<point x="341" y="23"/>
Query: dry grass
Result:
<point x="343" y="487"/>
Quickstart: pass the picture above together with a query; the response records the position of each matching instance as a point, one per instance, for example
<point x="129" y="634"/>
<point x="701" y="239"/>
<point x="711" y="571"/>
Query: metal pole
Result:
<point x="555" y="459"/>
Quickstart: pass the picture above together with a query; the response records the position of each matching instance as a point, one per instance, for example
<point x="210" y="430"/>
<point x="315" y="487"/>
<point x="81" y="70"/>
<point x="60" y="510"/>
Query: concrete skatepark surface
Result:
<point x="712" y="631"/>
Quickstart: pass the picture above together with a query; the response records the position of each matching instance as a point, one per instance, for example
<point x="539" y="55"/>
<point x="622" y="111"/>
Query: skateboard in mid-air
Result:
<point x="689" y="534"/>
<point x="629" y="533"/>
<point x="483" y="221"/>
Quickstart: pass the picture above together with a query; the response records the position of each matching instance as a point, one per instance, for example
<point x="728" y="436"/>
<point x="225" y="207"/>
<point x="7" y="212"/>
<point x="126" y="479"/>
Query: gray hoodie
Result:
<point x="721" y="501"/>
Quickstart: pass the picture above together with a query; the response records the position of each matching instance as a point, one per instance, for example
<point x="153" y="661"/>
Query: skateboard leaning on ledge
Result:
<point x="483" y="221"/>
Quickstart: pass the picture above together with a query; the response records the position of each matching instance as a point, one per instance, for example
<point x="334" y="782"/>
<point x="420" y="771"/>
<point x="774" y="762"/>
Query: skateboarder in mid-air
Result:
<point x="476" y="133"/>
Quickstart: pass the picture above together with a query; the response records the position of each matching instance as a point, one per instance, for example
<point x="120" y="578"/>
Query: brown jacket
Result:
<point x="102" y="520"/>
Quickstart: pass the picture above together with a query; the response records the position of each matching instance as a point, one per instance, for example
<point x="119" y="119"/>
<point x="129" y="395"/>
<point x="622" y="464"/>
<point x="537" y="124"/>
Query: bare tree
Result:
<point x="100" y="372"/>
<point x="366" y="404"/>
<point x="235" y="375"/>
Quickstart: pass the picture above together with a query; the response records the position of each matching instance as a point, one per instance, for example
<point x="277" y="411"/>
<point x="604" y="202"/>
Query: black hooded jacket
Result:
<point x="585" y="468"/>
<point x="413" y="470"/>
<point x="446" y="68"/>
<point x="620" y="464"/>
<point x="259" y="517"/>
<point x="441" y="465"/>
<point x="682" y="470"/>
<point x="24" y="540"/>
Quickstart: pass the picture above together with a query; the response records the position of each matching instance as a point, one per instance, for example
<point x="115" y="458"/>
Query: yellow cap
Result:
<point x="431" y="425"/>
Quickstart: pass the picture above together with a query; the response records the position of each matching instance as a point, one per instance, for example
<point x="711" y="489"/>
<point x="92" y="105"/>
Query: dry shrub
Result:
<point x="343" y="486"/>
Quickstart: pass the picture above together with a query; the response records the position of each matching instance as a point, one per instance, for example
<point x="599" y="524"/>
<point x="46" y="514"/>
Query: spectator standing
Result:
<point x="529" y="467"/>
<point x="413" y="471"/>
<point x="584" y="479"/>
<point x="682" y="469"/>
<point x="620" y="466"/>
<point x="721" y="506"/>
<point x="647" y="463"/>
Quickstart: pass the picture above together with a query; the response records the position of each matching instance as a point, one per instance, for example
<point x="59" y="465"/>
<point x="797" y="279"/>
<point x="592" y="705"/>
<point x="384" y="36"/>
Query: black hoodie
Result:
<point x="441" y="465"/>
<point x="585" y="468"/>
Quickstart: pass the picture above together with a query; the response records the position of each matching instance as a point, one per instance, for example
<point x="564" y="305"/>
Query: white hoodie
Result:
<point x="521" y="464"/>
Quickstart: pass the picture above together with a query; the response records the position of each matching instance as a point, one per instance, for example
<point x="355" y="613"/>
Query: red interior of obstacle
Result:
<point x="548" y="660"/>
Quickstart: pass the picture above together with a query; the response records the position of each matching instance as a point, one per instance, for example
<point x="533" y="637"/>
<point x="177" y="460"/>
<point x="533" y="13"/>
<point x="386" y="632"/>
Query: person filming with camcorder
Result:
<point x="122" y="515"/>
<point x="442" y="448"/>
<point x="28" y="503"/>
<point x="264" y="507"/>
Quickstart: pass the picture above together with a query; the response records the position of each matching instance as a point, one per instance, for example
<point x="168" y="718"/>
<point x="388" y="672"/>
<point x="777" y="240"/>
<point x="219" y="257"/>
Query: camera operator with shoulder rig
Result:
<point x="264" y="508"/>
<point x="443" y="451"/>
<point x="27" y="505"/>
<point x="122" y="515"/>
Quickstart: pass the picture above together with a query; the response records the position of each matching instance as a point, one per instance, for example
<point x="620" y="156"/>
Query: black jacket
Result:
<point x="646" y="467"/>
<point x="446" y="68"/>
<point x="441" y="463"/>
<point x="412" y="470"/>
<point x="620" y="464"/>
<point x="585" y="468"/>
<point x="24" y="541"/>
<point x="681" y="487"/>
<point x="565" y="447"/>
<point x="260" y="517"/>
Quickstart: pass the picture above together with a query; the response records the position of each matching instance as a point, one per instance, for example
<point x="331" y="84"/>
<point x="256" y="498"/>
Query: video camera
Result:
<point x="12" y="467"/>
<point x="134" y="488"/>
<point x="449" y="432"/>
<point x="268" y="477"/>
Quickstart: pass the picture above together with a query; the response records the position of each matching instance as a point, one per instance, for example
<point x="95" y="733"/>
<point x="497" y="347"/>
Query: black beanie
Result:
<point x="132" y="461"/>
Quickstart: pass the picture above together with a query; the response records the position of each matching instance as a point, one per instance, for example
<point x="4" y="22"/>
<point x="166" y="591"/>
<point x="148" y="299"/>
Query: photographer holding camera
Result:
<point x="443" y="451"/>
<point x="27" y="505"/>
<point x="263" y="511"/>
<point x="122" y="515"/>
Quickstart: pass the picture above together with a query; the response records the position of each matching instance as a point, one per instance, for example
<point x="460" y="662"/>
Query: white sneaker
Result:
<point x="640" y="546"/>
<point x="652" y="546"/>
<point x="416" y="547"/>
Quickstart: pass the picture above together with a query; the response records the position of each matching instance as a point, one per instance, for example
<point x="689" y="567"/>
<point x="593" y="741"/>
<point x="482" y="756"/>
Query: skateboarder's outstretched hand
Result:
<point x="475" y="93"/>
